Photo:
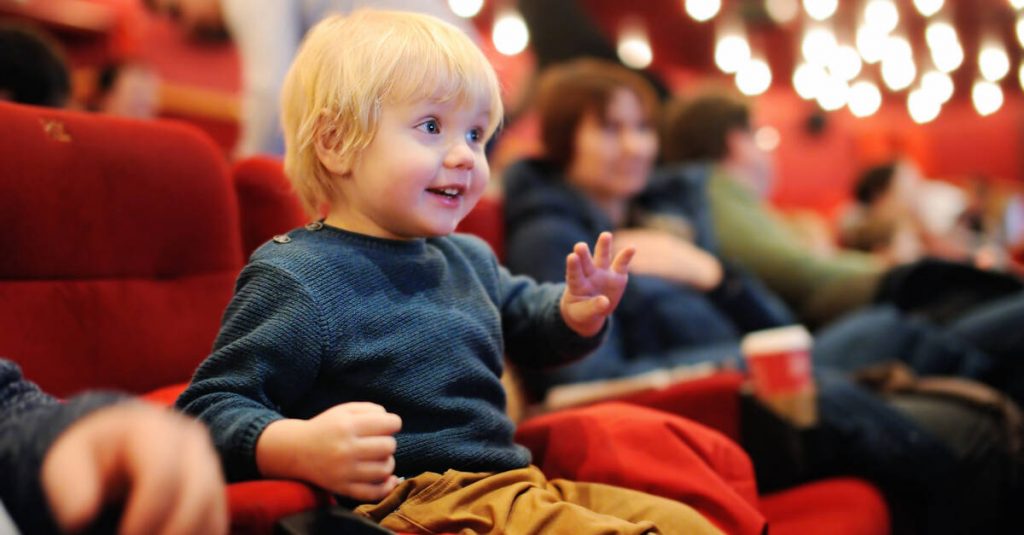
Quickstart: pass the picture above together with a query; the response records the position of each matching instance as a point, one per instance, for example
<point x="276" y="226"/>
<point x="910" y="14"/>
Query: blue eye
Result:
<point x="430" y="126"/>
<point x="475" y="135"/>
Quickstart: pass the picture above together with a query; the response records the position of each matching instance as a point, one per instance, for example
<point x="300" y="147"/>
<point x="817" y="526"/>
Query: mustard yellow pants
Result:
<point x="523" y="501"/>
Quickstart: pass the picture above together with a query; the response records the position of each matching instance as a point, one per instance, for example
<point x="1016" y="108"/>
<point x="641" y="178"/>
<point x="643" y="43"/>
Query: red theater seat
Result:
<point x="121" y="249"/>
<point x="266" y="203"/>
<point x="121" y="252"/>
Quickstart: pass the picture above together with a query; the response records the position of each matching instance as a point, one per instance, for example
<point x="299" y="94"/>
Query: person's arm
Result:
<point x="664" y="255"/>
<point x="30" y="421"/>
<point x="64" y="463"/>
<point x="750" y="235"/>
<point x="348" y="449"/>
<point x="546" y="325"/>
<point x="267" y="355"/>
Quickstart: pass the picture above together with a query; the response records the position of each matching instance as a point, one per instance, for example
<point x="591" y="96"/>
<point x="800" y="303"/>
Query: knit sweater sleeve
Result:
<point x="30" y="422"/>
<point x="535" y="333"/>
<point x="268" y="352"/>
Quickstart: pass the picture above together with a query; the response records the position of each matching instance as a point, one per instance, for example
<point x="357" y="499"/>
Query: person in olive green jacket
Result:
<point x="716" y="128"/>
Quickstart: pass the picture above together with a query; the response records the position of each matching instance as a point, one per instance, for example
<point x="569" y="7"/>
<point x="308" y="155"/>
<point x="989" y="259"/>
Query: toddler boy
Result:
<point x="378" y="305"/>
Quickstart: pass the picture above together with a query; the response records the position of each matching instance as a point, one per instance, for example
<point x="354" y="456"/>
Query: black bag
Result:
<point x="940" y="290"/>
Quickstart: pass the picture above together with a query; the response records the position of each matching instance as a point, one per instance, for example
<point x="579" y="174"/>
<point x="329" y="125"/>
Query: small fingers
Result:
<point x="373" y="424"/>
<point x="373" y="472"/>
<point x="590" y="309"/>
<point x="377" y="447"/>
<point x="603" y="250"/>
<point x="586" y="261"/>
<point x="598" y="305"/>
<point x="621" y="263"/>
<point x="573" y="271"/>
<point x="361" y="407"/>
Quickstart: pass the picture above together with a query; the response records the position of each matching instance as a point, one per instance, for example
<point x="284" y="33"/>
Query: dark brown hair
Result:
<point x="569" y="91"/>
<point x="696" y="129"/>
<point x="873" y="183"/>
<point x="33" y="69"/>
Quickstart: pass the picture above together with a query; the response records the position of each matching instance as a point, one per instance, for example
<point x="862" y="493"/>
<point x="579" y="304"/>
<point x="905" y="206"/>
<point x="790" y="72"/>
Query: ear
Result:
<point x="327" y="143"/>
<point x="735" y="140"/>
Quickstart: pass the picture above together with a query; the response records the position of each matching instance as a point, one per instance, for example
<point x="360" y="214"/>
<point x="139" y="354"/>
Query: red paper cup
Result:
<point x="779" y="363"/>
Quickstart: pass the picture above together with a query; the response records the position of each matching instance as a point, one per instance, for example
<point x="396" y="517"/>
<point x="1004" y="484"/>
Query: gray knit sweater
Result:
<point x="325" y="316"/>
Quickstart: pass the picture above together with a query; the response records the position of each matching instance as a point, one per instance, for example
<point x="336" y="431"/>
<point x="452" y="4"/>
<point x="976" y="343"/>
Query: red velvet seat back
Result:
<point x="120" y="251"/>
<point x="266" y="203"/>
<point x="487" y="222"/>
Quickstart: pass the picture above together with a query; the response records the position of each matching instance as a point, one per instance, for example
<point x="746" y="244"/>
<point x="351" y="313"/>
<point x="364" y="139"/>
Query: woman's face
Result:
<point x="614" y="154"/>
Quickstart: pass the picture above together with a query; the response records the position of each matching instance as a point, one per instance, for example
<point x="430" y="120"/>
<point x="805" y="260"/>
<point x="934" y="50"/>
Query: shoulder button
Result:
<point x="282" y="238"/>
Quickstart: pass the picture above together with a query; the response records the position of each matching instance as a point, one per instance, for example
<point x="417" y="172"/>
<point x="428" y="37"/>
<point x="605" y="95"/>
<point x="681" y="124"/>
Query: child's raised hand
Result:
<point x="594" y="285"/>
<point x="347" y="449"/>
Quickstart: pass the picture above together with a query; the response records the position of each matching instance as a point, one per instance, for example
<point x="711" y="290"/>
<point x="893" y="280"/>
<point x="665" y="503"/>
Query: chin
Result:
<point x="437" y="231"/>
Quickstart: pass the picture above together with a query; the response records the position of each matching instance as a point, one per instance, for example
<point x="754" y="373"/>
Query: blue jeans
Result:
<point x="985" y="344"/>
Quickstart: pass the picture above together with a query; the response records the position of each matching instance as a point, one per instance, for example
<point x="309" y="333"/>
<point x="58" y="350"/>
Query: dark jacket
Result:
<point x="659" y="323"/>
<point x="30" y="421"/>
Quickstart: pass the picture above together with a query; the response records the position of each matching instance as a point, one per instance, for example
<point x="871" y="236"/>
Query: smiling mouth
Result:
<point x="451" y="192"/>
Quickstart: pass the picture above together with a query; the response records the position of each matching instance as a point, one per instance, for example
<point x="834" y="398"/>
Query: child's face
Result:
<point x="422" y="173"/>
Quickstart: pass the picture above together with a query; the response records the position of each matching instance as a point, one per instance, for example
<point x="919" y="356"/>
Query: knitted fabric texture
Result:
<point x="325" y="317"/>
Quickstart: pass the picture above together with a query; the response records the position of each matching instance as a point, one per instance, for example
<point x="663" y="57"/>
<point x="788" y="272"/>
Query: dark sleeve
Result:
<point x="535" y="334"/>
<point x="538" y="247"/>
<point x="30" y="422"/>
<point x="681" y="191"/>
<point x="748" y="303"/>
<point x="268" y="353"/>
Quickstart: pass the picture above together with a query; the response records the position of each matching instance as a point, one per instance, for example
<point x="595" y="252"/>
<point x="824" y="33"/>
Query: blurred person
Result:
<point x="684" y="306"/>
<point x="104" y="462"/>
<point x="716" y="128"/>
<point x="903" y="216"/>
<point x="34" y="71"/>
<point x="33" y="67"/>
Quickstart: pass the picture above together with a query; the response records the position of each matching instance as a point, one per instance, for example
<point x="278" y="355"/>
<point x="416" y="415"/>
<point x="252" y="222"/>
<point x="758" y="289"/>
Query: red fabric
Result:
<point x="121" y="248"/>
<point x="651" y="451"/>
<point x="130" y="335"/>
<point x="267" y="204"/>
<point x="487" y="221"/>
<point x="257" y="505"/>
<point x="841" y="506"/>
<point x="660" y="453"/>
<point x="713" y="401"/>
<point x="166" y="395"/>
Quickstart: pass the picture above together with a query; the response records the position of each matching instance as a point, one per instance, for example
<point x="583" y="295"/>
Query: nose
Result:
<point x="460" y="156"/>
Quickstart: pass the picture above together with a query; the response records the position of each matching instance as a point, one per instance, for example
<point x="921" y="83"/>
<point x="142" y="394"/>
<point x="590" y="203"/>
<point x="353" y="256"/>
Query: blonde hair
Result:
<point x="349" y="66"/>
